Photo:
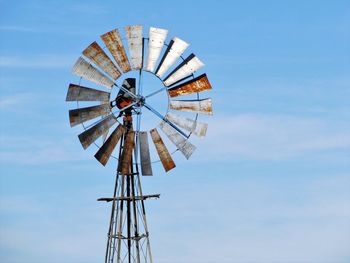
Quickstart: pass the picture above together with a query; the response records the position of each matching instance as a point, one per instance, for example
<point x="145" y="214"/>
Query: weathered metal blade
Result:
<point x="175" y="49"/>
<point x="157" y="37"/>
<point x="107" y="148"/>
<point x="114" y="44"/>
<point x="80" y="93"/>
<point x="146" y="165"/>
<point x="163" y="152"/>
<point x="135" y="44"/>
<point x="180" y="142"/>
<point x="196" y="127"/>
<point x="85" y="70"/>
<point x="99" y="57"/>
<point x="199" y="106"/>
<point x="198" y="84"/>
<point x="126" y="158"/>
<point x="186" y="68"/>
<point x="90" y="135"/>
<point x="81" y="115"/>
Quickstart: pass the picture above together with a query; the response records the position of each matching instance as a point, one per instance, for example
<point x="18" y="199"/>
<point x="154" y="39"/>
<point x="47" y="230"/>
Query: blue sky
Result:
<point x="269" y="183"/>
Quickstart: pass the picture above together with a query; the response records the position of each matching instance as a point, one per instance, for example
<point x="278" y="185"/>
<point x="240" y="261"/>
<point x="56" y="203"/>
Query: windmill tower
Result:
<point x="117" y="121"/>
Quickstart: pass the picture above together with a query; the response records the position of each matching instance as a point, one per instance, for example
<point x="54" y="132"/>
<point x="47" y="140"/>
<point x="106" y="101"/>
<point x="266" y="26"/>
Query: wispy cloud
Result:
<point x="14" y="28"/>
<point x="36" y="150"/>
<point x="39" y="61"/>
<point x="14" y="101"/>
<point x="272" y="137"/>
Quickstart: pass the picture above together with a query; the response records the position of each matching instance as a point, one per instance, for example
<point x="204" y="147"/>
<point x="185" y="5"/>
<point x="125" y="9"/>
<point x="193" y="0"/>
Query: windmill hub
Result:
<point x="140" y="101"/>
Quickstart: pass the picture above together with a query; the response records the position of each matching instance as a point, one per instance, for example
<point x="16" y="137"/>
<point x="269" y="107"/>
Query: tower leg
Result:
<point x="128" y="235"/>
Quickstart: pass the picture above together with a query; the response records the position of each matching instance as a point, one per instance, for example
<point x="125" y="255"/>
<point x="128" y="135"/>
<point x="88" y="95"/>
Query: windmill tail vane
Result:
<point x="110" y="108"/>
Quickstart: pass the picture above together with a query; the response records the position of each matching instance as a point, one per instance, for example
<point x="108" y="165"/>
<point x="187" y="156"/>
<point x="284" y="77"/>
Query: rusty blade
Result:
<point x="176" y="138"/>
<point x="107" y="148"/>
<point x="175" y="49"/>
<point x="114" y="44"/>
<point x="199" y="106"/>
<point x="80" y="93"/>
<point x="99" y="57"/>
<point x="146" y="166"/>
<point x="198" y="84"/>
<point x="135" y="44"/>
<point x="85" y="70"/>
<point x="162" y="151"/>
<point x="81" y="115"/>
<point x="90" y="135"/>
<point x="157" y="37"/>
<point x="186" y="68"/>
<point x="126" y="158"/>
<point x="196" y="127"/>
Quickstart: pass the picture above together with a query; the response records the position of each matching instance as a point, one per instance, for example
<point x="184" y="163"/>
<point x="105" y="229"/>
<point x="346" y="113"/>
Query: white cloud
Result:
<point x="13" y="101"/>
<point x="39" y="150"/>
<point x="272" y="137"/>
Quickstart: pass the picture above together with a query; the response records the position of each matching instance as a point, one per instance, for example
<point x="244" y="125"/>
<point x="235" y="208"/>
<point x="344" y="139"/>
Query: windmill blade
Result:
<point x="198" y="84"/>
<point x="115" y="45"/>
<point x="126" y="158"/>
<point x="135" y="44"/>
<point x="104" y="153"/>
<point x="175" y="49"/>
<point x="90" y="135"/>
<point x="99" y="57"/>
<point x="81" y="115"/>
<point x="157" y="37"/>
<point x="80" y="93"/>
<point x="199" y="106"/>
<point x="146" y="166"/>
<point x="85" y="70"/>
<point x="197" y="128"/>
<point x="162" y="151"/>
<point x="180" y="142"/>
<point x="186" y="68"/>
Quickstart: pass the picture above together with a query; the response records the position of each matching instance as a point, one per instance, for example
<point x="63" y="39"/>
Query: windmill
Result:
<point x="115" y="72"/>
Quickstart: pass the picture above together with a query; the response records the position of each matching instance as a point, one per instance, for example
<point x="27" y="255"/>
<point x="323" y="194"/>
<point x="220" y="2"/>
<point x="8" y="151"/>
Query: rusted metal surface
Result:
<point x="175" y="49"/>
<point x="146" y="166"/>
<point x="135" y="44"/>
<point x="115" y="45"/>
<point x="157" y="37"/>
<point x="89" y="136"/>
<point x="180" y="142"/>
<point x="85" y="70"/>
<point x="81" y="115"/>
<point x="107" y="148"/>
<point x="196" y="127"/>
<point x="99" y="57"/>
<point x="198" y="84"/>
<point x="126" y="158"/>
<point x="80" y="93"/>
<point x="137" y="197"/>
<point x="186" y="68"/>
<point x="199" y="106"/>
<point x="162" y="151"/>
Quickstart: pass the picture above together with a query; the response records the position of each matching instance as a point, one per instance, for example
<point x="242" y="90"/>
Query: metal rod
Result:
<point x="155" y="92"/>
<point x="144" y="215"/>
<point x="128" y="217"/>
<point x="165" y="119"/>
<point x="136" y="234"/>
<point x="127" y="91"/>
